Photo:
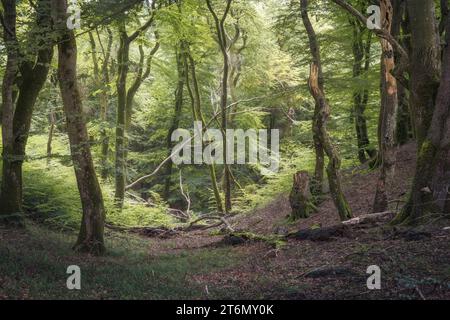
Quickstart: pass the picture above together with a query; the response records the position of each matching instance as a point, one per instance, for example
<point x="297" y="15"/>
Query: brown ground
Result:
<point x="415" y="264"/>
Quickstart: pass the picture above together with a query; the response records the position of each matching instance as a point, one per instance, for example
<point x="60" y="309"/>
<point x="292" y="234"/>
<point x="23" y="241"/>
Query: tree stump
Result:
<point x="300" y="197"/>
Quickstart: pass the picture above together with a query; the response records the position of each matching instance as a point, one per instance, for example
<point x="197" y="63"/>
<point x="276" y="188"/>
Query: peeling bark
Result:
<point x="316" y="88"/>
<point x="388" y="113"/>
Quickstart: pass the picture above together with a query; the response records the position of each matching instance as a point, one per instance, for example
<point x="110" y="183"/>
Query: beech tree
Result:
<point x="30" y="64"/>
<point x="224" y="48"/>
<point x="125" y="98"/>
<point x="429" y="195"/>
<point x="90" y="238"/>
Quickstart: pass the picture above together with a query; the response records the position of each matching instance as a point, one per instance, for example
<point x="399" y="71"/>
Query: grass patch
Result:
<point x="33" y="265"/>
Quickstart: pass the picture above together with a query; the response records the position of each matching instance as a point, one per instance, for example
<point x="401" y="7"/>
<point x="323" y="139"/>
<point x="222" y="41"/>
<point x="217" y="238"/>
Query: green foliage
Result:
<point x="51" y="194"/>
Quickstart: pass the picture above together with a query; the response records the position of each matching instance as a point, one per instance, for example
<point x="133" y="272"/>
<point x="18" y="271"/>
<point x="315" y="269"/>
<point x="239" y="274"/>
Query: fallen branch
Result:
<point x="340" y="230"/>
<point x="369" y="218"/>
<point x="160" y="232"/>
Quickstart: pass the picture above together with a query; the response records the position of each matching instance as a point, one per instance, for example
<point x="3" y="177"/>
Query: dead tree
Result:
<point x="323" y="109"/>
<point x="300" y="197"/>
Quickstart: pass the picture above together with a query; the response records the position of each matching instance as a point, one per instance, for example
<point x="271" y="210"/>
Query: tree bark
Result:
<point x="400" y="29"/>
<point x="388" y="113"/>
<point x="222" y="38"/>
<point x="11" y="197"/>
<point x="430" y="191"/>
<point x="425" y="64"/>
<point x="33" y="67"/>
<point x="194" y="93"/>
<point x="317" y="182"/>
<point x="101" y="77"/>
<point x="90" y="238"/>
<point x="318" y="94"/>
<point x="125" y="103"/>
<point x="300" y="198"/>
<point x="176" y="115"/>
<point x="361" y="66"/>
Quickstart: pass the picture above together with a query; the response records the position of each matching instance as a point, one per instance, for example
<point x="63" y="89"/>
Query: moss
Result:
<point x="276" y="241"/>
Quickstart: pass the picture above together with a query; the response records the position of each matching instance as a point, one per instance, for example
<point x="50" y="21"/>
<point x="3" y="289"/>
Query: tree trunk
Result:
<point x="399" y="29"/>
<point x="425" y="64"/>
<point x="34" y="74"/>
<point x="11" y="197"/>
<point x="361" y="66"/>
<point x="222" y="38"/>
<point x="318" y="94"/>
<point x="317" y="182"/>
<point x="124" y="103"/>
<point x="176" y="116"/>
<point x="51" y="118"/>
<point x="101" y="76"/>
<point x="300" y="198"/>
<point x="123" y="61"/>
<point x="198" y="116"/>
<point x="90" y="238"/>
<point x="430" y="191"/>
<point x="388" y="113"/>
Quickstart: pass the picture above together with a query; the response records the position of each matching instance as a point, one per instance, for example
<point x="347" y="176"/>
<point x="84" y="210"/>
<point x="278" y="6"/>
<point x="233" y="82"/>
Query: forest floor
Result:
<point x="415" y="264"/>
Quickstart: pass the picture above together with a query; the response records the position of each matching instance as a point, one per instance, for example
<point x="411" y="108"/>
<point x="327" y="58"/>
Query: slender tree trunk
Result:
<point x="316" y="88"/>
<point x="51" y="129"/>
<point x="101" y="76"/>
<point x="317" y="181"/>
<point x="177" y="114"/>
<point x="430" y="191"/>
<point x="222" y="38"/>
<point x="388" y="113"/>
<point x="90" y="238"/>
<point x="361" y="66"/>
<point x="198" y="116"/>
<point x="123" y="61"/>
<point x="124" y="103"/>
<point x="399" y="24"/>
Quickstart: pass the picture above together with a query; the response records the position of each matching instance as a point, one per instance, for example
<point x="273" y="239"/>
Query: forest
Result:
<point x="225" y="149"/>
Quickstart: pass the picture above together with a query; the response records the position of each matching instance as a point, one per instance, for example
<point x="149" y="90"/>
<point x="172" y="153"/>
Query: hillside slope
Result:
<point x="199" y="265"/>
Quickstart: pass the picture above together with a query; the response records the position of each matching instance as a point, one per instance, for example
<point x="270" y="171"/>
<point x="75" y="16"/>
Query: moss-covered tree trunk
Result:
<point x="125" y="100"/>
<point x="319" y="170"/>
<point x="101" y="77"/>
<point x="178" y="106"/>
<point x="300" y="197"/>
<point x="123" y="63"/>
<point x="318" y="94"/>
<point x="430" y="197"/>
<point x="11" y="198"/>
<point x="194" y="93"/>
<point x="90" y="238"/>
<point x="33" y="68"/>
<point x="224" y="48"/>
